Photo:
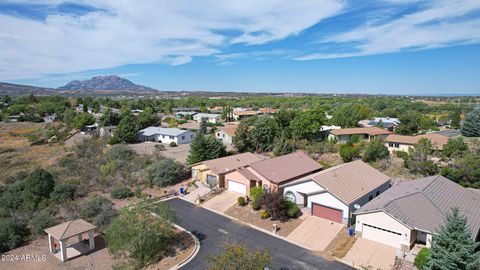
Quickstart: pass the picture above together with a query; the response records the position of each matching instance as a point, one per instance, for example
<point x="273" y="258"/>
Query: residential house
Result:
<point x="185" y="115"/>
<point x="387" y="123"/>
<point x="239" y="115"/>
<point x="186" y="109"/>
<point x="210" y="117"/>
<point x="226" y="133"/>
<point x="325" y="131"/>
<point x="107" y="131"/>
<point x="216" y="109"/>
<point x="395" y="142"/>
<point x="450" y="133"/>
<point x="266" y="111"/>
<point x="49" y="118"/>
<point x="412" y="211"/>
<point x="335" y="193"/>
<point x="365" y="134"/>
<point x="166" y="135"/>
<point x="212" y="172"/>
<point x="271" y="173"/>
<point x="89" y="129"/>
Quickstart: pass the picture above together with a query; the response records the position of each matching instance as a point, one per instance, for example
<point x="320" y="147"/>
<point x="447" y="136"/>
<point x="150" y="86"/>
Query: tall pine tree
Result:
<point x="471" y="124"/>
<point x="205" y="147"/>
<point x="453" y="248"/>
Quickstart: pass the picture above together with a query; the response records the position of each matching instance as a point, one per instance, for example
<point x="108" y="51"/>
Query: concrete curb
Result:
<point x="347" y="263"/>
<point x="195" y="251"/>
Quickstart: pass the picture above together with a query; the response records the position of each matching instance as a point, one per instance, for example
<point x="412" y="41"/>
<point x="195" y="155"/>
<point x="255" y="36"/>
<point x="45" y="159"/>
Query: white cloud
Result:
<point x="442" y="23"/>
<point x="127" y="32"/>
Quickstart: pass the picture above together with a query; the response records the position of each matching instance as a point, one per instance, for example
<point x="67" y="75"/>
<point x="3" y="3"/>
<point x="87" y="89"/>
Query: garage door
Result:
<point x="382" y="235"/>
<point x="325" y="212"/>
<point x="237" y="187"/>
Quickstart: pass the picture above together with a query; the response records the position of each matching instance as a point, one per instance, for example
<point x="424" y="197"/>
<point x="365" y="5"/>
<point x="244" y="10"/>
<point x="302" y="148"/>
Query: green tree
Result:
<point x="237" y="256"/>
<point x="349" y="152"/>
<point x="262" y="134"/>
<point x="110" y="118"/>
<point x="283" y="118"/>
<point x="282" y="145"/>
<point x="453" y="247"/>
<point x="308" y="124"/>
<point x="203" y="126"/>
<point x="126" y="130"/>
<point x="471" y="124"/>
<point x="38" y="186"/>
<point x="418" y="159"/>
<point x="68" y="116"/>
<point x="227" y="113"/>
<point x="455" y="119"/>
<point x="421" y="260"/>
<point x="348" y="114"/>
<point x="40" y="222"/>
<point x="409" y="123"/>
<point x="374" y="150"/>
<point x="464" y="170"/>
<point x="165" y="172"/>
<point x="138" y="235"/>
<point x="147" y="118"/>
<point x="205" y="147"/>
<point x="83" y="119"/>
<point x="242" y="140"/>
<point x="98" y="210"/>
<point x="455" y="147"/>
<point x="12" y="233"/>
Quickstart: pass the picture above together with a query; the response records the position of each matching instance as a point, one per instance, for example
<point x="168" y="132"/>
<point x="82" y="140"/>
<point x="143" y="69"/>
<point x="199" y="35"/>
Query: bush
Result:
<point x="41" y="222"/>
<point x="349" y="152"/>
<point x="255" y="205"/>
<point x="12" y="233"/>
<point x="166" y="172"/>
<point x="292" y="209"/>
<point x="63" y="192"/>
<point x="274" y="204"/>
<point x="422" y="257"/>
<point x="99" y="210"/>
<point x="121" y="192"/>
<point x="241" y="201"/>
<point x="264" y="214"/>
<point x="38" y="186"/>
<point x="256" y="192"/>
<point x="138" y="191"/>
<point x="173" y="144"/>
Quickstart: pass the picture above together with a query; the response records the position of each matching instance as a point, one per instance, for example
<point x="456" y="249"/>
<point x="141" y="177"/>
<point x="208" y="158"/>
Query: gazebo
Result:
<point x="66" y="231"/>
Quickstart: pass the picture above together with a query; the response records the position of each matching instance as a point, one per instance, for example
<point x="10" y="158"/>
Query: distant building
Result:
<point x="186" y="109"/>
<point x="226" y="133"/>
<point x="395" y="142"/>
<point x="107" y="131"/>
<point x="239" y="115"/>
<point x="386" y="122"/>
<point x="217" y="109"/>
<point x="89" y="129"/>
<point x="211" y="117"/>
<point x="184" y="115"/>
<point x="166" y="135"/>
<point x="364" y="133"/>
<point x="49" y="118"/>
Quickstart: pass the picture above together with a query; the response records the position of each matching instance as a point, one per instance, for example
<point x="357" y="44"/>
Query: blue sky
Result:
<point x="327" y="46"/>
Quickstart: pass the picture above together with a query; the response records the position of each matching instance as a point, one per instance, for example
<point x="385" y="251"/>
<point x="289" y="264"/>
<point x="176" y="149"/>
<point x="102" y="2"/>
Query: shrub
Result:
<point x="349" y="152"/>
<point x="274" y="204"/>
<point x="256" y="192"/>
<point x="98" y="209"/>
<point x="238" y="256"/>
<point x="121" y="192"/>
<point x="292" y="209"/>
<point x="41" y="222"/>
<point x="264" y="214"/>
<point x="421" y="259"/>
<point x="255" y="205"/>
<point x="173" y="144"/>
<point x="63" y="192"/>
<point x="38" y="186"/>
<point x="138" y="191"/>
<point x="241" y="201"/>
<point x="166" y="172"/>
<point x="12" y="233"/>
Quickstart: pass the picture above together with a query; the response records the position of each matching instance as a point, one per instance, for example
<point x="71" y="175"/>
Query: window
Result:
<point x="218" y="134"/>
<point x="266" y="188"/>
<point x="223" y="135"/>
<point x="370" y="197"/>
<point x="191" y="136"/>
<point x="377" y="193"/>
<point x="390" y="144"/>
<point x="289" y="195"/>
<point x="397" y="145"/>
<point x="183" y="137"/>
<point x="171" y="137"/>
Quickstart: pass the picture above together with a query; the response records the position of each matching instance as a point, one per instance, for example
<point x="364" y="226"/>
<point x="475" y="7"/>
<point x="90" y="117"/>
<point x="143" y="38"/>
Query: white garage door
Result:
<point x="382" y="235"/>
<point x="237" y="187"/>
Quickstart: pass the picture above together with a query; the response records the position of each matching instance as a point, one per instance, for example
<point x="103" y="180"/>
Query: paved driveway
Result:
<point x="200" y="191"/>
<point x="223" y="201"/>
<point x="315" y="233"/>
<point x="370" y="253"/>
<point x="215" y="230"/>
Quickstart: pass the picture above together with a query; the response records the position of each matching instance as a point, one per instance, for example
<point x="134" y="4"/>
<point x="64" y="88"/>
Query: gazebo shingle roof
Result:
<point x="69" y="229"/>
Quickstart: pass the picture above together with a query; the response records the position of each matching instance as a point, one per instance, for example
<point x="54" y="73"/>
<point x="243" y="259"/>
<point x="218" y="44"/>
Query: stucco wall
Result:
<point x="364" y="199"/>
<point x="402" y="147"/>
<point x="329" y="200"/>
<point x="224" y="137"/>
<point x="305" y="187"/>
<point x="383" y="220"/>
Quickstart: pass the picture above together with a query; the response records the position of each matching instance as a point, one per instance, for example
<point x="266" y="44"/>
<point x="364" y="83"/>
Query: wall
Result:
<point x="364" y="199"/>
<point x="223" y="136"/>
<point x="305" y="187"/>
<point x="402" y="147"/>
<point x="329" y="200"/>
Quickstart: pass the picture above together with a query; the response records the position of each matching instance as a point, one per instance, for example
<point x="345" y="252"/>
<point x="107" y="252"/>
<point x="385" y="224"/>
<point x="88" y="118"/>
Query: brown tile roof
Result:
<point x="361" y="130"/>
<point x="437" y="140"/>
<point x="350" y="181"/>
<point x="267" y="110"/>
<point x="245" y="172"/>
<point x="245" y="112"/>
<point x="230" y="163"/>
<point x="69" y="229"/>
<point x="229" y="130"/>
<point x="287" y="167"/>
<point x="424" y="203"/>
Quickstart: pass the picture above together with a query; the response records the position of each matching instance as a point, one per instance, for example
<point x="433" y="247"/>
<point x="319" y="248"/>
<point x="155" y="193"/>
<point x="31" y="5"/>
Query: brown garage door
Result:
<point x="327" y="213"/>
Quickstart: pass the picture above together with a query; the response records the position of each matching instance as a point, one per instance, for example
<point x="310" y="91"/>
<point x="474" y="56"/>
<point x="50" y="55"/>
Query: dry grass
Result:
<point x="16" y="153"/>
<point x="393" y="167"/>
<point x="343" y="246"/>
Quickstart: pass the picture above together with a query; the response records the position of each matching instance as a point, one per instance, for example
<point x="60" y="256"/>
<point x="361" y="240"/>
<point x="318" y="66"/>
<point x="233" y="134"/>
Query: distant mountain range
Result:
<point x="108" y="82"/>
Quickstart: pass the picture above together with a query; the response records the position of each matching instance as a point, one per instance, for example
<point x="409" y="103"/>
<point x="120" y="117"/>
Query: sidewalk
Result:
<point x="200" y="191"/>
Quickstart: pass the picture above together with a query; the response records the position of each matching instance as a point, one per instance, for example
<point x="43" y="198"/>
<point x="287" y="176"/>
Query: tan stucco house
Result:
<point x="336" y="192"/>
<point x="271" y="173"/>
<point x="212" y="172"/>
<point x="412" y="211"/>
<point x="365" y="133"/>
<point x="227" y="133"/>
<point x="395" y="142"/>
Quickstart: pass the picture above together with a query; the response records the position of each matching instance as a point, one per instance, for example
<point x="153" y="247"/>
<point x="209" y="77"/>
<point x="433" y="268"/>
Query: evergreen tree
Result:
<point x="126" y="130"/>
<point x="471" y="124"/>
<point x="205" y="147"/>
<point x="227" y="114"/>
<point x="455" y="119"/>
<point x="376" y="149"/>
<point x="453" y="248"/>
<point x="282" y="145"/>
<point x="110" y="118"/>
<point x="203" y="126"/>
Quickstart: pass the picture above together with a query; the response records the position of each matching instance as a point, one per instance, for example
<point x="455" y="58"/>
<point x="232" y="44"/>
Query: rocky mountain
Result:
<point x="108" y="82"/>
<point x="19" y="89"/>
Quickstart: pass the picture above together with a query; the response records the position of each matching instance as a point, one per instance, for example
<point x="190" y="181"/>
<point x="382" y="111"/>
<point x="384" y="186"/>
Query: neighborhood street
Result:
<point x="214" y="230"/>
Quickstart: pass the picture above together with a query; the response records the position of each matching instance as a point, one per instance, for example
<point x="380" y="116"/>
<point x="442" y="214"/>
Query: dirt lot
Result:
<point x="248" y="215"/>
<point x="42" y="259"/>
<point x="16" y="153"/>
<point x="179" y="153"/>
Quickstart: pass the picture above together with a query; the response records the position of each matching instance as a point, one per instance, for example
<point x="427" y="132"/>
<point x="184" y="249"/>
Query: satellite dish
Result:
<point x="356" y="206"/>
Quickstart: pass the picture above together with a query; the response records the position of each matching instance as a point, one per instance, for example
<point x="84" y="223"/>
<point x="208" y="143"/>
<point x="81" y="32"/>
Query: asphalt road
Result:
<point x="215" y="230"/>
